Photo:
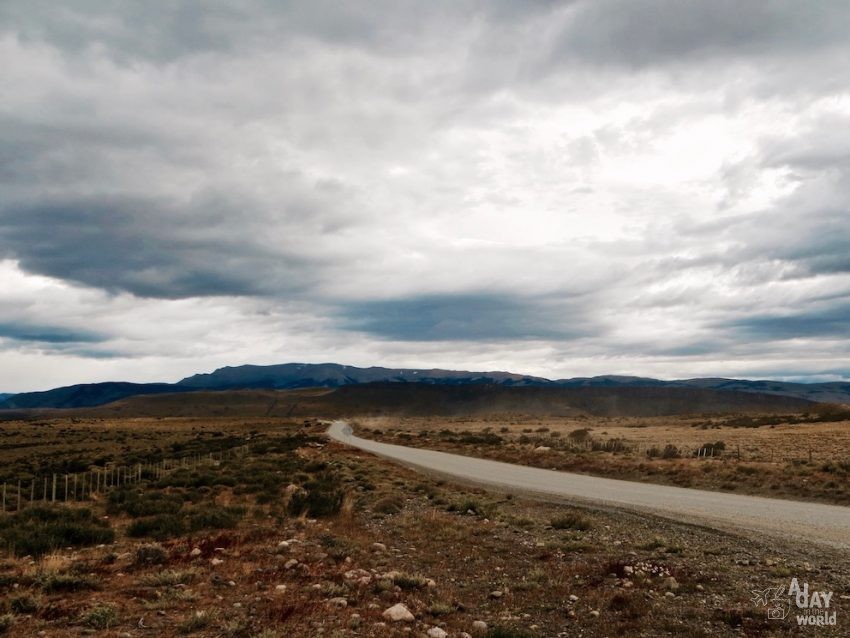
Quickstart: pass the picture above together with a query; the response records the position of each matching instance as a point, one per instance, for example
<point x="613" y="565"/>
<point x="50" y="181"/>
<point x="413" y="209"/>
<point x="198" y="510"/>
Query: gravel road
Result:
<point x="809" y="522"/>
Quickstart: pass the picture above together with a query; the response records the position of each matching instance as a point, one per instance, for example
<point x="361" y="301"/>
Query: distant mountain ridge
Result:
<point x="85" y="395"/>
<point x="5" y="395"/>
<point x="333" y="375"/>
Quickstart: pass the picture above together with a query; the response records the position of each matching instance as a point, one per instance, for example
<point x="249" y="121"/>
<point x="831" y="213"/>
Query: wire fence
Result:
<point x="89" y="485"/>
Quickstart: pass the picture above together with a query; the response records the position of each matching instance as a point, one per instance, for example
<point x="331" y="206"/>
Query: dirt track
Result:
<point x="810" y="522"/>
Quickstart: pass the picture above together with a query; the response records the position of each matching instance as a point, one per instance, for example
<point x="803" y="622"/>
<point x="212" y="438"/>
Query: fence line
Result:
<point x="82" y="486"/>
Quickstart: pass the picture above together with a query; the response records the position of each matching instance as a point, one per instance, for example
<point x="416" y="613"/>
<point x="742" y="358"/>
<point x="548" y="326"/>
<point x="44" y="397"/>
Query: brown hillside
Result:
<point x="409" y="399"/>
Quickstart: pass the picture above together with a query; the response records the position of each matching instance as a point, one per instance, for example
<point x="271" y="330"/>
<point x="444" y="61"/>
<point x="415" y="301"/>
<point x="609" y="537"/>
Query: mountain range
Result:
<point x="332" y="375"/>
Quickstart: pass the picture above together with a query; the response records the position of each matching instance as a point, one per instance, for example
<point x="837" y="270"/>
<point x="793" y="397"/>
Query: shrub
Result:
<point x="320" y="498"/>
<point x="571" y="521"/>
<point x="580" y="435"/>
<point x="197" y="621"/>
<point x="100" y="617"/>
<point x="409" y="582"/>
<point x="158" y="527"/>
<point x="215" y="518"/>
<point x="24" y="605"/>
<point x="53" y="582"/>
<point x="389" y="505"/>
<point x="39" y="530"/>
<point x="670" y="452"/>
<point x="150" y="555"/>
<point x="468" y="505"/>
<point x="137" y="504"/>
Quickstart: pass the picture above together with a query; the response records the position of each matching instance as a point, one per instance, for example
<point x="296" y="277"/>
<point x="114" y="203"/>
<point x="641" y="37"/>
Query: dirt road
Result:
<point x="810" y="522"/>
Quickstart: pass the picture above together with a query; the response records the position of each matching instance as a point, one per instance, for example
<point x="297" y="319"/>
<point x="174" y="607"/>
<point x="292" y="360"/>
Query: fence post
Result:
<point x="75" y="487"/>
<point x="32" y="490"/>
<point x="53" y="499"/>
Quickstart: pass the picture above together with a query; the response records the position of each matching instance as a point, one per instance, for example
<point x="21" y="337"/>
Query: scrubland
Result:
<point x="303" y="537"/>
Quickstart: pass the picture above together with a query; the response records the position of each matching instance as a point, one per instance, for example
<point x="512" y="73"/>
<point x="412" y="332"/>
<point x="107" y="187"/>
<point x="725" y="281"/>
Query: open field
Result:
<point x="304" y="537"/>
<point x="768" y="455"/>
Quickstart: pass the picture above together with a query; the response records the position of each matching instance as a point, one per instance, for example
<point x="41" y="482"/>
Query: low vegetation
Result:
<point x="305" y="538"/>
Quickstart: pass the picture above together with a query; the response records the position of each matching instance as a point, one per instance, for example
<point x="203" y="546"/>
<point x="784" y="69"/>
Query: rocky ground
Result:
<point x="403" y="554"/>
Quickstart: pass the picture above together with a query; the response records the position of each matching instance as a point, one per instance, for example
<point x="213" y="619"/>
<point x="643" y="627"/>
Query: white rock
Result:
<point x="216" y="561"/>
<point x="338" y="602"/>
<point x="479" y="627"/>
<point x="496" y="593"/>
<point x="379" y="547"/>
<point x="398" y="613"/>
<point x="195" y="552"/>
<point x="436" y="632"/>
<point x="594" y="614"/>
<point x="290" y="563"/>
<point x="573" y="598"/>
<point x="542" y="449"/>
<point x="280" y="588"/>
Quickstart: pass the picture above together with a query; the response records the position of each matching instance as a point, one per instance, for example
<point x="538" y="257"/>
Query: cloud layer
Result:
<point x="655" y="187"/>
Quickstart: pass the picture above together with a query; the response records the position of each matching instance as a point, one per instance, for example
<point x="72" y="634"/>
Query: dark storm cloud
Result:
<point x="831" y="322"/>
<point x="646" y="32"/>
<point x="472" y="317"/>
<point x="151" y="248"/>
<point x="25" y="331"/>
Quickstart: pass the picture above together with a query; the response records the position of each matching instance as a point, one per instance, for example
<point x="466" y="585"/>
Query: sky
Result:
<point x="647" y="187"/>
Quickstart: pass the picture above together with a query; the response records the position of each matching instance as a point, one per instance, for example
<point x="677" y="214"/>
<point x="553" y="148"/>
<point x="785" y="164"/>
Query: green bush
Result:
<point x="24" y="605"/>
<point x="150" y="555"/>
<point x="38" y="530"/>
<point x="215" y="518"/>
<point x="315" y="503"/>
<point x="571" y="521"/>
<point x="158" y="527"/>
<point x="52" y="582"/>
<point x="100" y="617"/>
<point x="138" y="504"/>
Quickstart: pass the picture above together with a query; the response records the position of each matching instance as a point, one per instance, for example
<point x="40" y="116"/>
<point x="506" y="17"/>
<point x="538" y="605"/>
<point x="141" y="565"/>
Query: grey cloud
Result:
<point x="468" y="317"/>
<point x="644" y="32"/>
<point x="19" y="331"/>
<point x="831" y="322"/>
<point x="152" y="248"/>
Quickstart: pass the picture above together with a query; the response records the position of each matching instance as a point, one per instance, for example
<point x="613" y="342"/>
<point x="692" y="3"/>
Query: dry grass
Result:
<point x="809" y="461"/>
<point x="469" y="542"/>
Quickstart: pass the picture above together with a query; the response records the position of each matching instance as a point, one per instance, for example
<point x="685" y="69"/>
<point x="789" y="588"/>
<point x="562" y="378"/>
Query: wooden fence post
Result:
<point x="53" y="496"/>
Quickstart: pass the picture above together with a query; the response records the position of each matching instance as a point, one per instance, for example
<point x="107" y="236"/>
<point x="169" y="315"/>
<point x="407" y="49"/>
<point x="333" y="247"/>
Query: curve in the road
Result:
<point x="811" y="522"/>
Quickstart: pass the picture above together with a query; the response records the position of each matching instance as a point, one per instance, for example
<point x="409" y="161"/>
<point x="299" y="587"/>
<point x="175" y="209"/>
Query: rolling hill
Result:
<point x="332" y="375"/>
<point x="415" y="399"/>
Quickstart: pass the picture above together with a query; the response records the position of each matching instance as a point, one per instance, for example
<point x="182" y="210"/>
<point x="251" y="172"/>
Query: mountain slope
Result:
<point x="303" y="375"/>
<point x="832" y="392"/>
<point x="84" y="395"/>
<point x="332" y="375"/>
<point x="420" y="399"/>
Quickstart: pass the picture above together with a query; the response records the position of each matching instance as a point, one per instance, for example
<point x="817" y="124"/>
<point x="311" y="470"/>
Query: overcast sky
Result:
<point x="651" y="187"/>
